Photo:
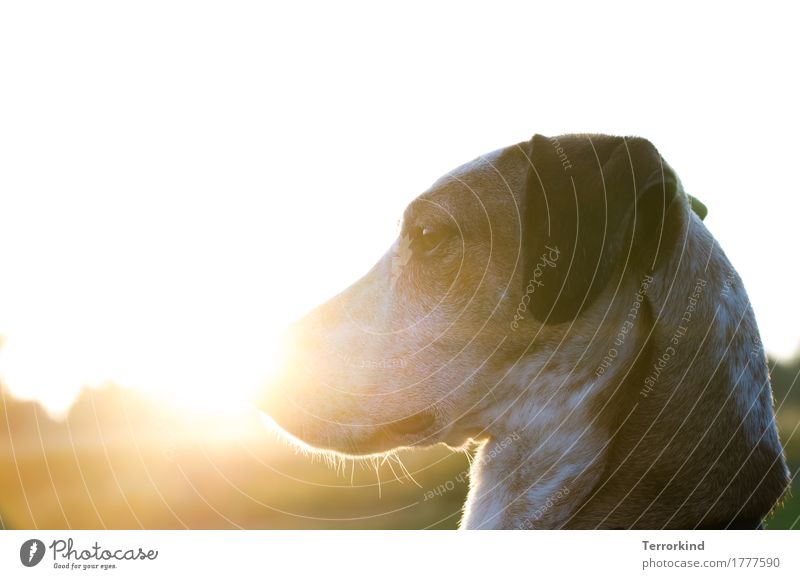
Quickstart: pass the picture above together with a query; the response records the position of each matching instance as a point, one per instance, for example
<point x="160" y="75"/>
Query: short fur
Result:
<point x="559" y="303"/>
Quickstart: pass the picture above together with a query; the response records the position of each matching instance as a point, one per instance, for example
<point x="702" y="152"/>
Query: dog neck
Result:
<point x="546" y="450"/>
<point x="615" y="432"/>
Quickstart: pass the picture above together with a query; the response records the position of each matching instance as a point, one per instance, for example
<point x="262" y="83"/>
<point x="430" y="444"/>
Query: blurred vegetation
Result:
<point x="119" y="460"/>
<point x="786" y="393"/>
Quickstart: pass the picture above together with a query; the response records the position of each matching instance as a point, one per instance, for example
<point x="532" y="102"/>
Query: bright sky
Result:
<point x="179" y="180"/>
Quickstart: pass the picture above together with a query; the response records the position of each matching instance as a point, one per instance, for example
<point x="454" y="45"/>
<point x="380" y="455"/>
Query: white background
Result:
<point x="178" y="180"/>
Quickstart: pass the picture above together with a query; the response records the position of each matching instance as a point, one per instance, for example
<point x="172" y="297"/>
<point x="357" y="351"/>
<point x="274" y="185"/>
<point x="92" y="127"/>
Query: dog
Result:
<point x="561" y="303"/>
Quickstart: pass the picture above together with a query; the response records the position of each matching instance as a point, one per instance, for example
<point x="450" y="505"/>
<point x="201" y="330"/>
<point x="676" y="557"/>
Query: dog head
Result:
<point x="503" y="261"/>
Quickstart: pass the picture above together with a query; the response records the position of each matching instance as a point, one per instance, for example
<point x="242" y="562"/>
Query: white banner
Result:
<point x="403" y="554"/>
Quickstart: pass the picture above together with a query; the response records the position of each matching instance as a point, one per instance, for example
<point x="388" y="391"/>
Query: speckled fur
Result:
<point x="694" y="446"/>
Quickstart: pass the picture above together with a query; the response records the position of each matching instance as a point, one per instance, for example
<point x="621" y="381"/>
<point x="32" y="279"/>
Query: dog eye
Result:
<point x="428" y="239"/>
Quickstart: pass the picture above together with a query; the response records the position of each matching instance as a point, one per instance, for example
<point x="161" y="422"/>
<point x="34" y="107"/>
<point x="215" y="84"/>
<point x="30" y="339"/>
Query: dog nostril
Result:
<point x="414" y="423"/>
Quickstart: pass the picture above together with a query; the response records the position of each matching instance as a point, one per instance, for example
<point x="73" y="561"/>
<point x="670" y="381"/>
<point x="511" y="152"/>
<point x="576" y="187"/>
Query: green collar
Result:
<point x="698" y="207"/>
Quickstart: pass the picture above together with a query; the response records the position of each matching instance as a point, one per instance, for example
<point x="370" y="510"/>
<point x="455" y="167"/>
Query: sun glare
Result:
<point x="217" y="370"/>
<point x="184" y="296"/>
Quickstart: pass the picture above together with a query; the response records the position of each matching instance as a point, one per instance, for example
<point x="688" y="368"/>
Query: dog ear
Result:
<point x="595" y="207"/>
